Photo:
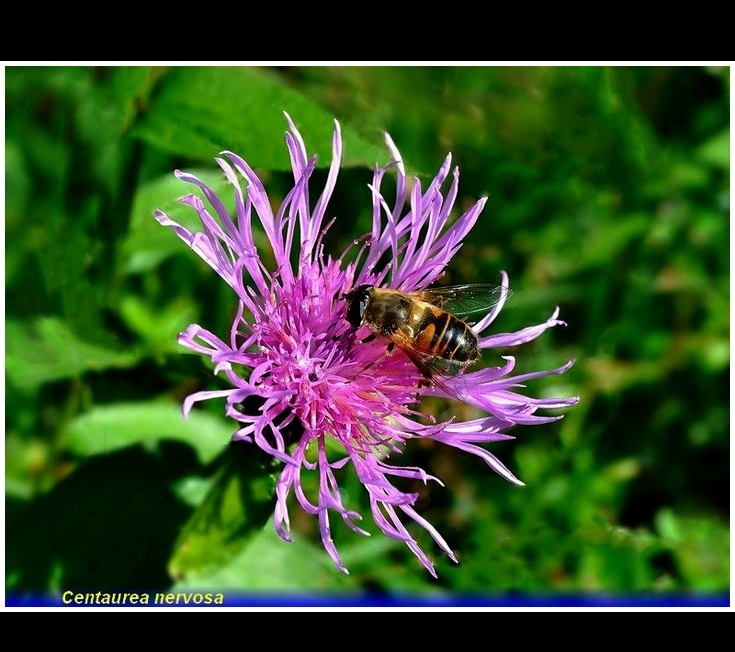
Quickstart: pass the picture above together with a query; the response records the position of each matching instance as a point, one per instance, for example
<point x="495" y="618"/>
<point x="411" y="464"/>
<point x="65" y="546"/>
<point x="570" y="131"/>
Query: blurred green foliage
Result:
<point x="608" y="196"/>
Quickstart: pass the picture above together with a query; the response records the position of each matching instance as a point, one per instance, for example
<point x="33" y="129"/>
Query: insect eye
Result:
<point x="356" y="304"/>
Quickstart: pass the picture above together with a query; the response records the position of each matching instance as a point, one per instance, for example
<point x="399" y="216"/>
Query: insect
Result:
<point x="425" y="324"/>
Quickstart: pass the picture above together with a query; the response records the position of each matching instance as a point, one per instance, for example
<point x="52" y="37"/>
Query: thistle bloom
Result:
<point x="324" y="398"/>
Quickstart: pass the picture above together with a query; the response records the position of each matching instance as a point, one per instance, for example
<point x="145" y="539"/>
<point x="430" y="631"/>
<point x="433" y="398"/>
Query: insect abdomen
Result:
<point x="443" y="335"/>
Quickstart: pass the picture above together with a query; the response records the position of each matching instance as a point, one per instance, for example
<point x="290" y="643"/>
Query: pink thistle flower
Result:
<point x="292" y="348"/>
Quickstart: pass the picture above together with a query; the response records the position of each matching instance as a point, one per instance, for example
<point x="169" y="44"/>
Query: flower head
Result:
<point x="326" y="393"/>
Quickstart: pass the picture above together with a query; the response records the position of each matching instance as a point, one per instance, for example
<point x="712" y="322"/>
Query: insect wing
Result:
<point x="463" y="300"/>
<point x="445" y="375"/>
<point x="432" y="367"/>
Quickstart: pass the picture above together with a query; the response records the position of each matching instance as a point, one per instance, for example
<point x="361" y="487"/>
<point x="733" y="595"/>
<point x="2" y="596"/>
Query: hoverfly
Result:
<point x="425" y="324"/>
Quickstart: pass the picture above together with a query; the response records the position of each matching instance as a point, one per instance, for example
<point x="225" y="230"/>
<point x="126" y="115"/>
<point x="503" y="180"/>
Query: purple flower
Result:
<point x="324" y="397"/>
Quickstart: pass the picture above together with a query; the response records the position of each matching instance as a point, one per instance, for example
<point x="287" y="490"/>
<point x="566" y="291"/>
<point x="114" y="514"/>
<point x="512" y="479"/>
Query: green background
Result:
<point x="608" y="196"/>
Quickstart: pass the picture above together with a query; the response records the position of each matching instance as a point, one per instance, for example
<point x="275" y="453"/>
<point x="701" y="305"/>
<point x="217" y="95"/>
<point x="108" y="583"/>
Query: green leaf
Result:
<point x="717" y="150"/>
<point x="157" y="327"/>
<point x="200" y="111"/>
<point x="270" y="565"/>
<point x="148" y="243"/>
<point x="110" y="427"/>
<point x="234" y="510"/>
<point x="700" y="544"/>
<point x="46" y="350"/>
<point x="147" y="239"/>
